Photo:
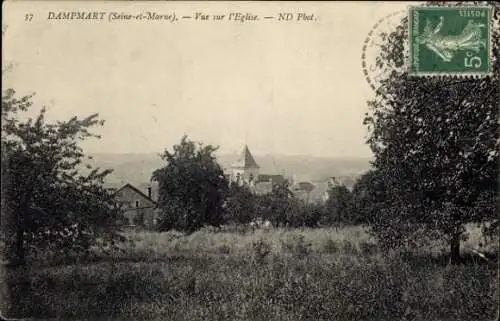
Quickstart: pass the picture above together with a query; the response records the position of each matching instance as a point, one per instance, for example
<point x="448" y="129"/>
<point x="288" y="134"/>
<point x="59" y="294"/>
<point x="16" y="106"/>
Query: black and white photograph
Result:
<point x="250" y="161"/>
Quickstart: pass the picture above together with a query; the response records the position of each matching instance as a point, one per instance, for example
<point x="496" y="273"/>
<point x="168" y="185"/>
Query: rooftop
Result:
<point x="245" y="160"/>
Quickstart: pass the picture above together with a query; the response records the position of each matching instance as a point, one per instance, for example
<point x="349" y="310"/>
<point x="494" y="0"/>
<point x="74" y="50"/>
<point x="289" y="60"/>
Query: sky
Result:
<point x="282" y="87"/>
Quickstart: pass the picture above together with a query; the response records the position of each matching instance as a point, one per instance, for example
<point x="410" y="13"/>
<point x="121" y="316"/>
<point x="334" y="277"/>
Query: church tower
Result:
<point x="245" y="170"/>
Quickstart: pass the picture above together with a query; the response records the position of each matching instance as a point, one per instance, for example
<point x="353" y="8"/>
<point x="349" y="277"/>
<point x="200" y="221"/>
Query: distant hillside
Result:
<point x="137" y="168"/>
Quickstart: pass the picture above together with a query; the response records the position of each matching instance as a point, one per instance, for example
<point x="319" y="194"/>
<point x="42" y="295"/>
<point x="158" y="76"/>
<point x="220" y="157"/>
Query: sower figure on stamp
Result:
<point x="445" y="46"/>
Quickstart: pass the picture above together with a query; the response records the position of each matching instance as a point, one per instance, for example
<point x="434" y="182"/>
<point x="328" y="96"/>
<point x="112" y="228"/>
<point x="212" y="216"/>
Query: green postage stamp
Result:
<point x="450" y="41"/>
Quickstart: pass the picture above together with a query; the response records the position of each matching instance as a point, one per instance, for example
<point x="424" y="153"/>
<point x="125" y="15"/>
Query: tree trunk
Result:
<point x="455" y="249"/>
<point x="19" y="253"/>
<point x="20" y="256"/>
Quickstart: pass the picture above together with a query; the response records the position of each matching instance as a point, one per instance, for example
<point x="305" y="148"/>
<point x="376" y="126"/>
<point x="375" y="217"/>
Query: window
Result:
<point x="136" y="203"/>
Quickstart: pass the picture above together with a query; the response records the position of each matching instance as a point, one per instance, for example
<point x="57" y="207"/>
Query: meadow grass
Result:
<point x="206" y="241"/>
<point x="279" y="274"/>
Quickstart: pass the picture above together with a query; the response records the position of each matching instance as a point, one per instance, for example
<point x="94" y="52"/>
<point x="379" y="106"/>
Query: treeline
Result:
<point x="283" y="209"/>
<point x="193" y="192"/>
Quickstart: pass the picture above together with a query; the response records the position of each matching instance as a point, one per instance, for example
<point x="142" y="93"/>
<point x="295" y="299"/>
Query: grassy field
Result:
<point x="309" y="274"/>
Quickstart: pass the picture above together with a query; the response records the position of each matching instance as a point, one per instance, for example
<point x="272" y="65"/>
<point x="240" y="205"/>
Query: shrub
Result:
<point x="368" y="248"/>
<point x="297" y="246"/>
<point x="330" y="246"/>
<point x="349" y="248"/>
<point x="261" y="250"/>
<point x="224" y="249"/>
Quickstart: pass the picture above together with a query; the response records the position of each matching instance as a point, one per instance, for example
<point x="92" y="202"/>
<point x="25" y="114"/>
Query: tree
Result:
<point x="192" y="187"/>
<point x="304" y="214"/>
<point x="338" y="206"/>
<point x="241" y="204"/>
<point x="368" y="197"/>
<point x="46" y="200"/>
<point x="279" y="204"/>
<point x="436" y="143"/>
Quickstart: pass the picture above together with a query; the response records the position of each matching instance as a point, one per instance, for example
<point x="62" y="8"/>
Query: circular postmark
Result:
<point x="381" y="29"/>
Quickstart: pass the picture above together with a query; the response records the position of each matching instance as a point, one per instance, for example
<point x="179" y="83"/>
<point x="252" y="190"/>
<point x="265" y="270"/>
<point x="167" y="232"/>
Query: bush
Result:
<point x="261" y="250"/>
<point x="297" y="246"/>
<point x="330" y="246"/>
<point x="349" y="248"/>
<point x="224" y="249"/>
<point x="368" y="248"/>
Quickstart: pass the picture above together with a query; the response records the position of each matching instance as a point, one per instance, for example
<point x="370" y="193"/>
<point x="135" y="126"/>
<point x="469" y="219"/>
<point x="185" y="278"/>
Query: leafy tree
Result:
<point x="368" y="197"/>
<point x="436" y="143"/>
<point x="282" y="208"/>
<point x="303" y="214"/>
<point x="263" y="207"/>
<point x="241" y="204"/>
<point x="279" y="204"/>
<point x="192" y="187"/>
<point x="47" y="201"/>
<point x="338" y="206"/>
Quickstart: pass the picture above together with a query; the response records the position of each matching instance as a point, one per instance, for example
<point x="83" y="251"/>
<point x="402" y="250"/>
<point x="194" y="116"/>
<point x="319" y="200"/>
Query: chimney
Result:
<point x="149" y="192"/>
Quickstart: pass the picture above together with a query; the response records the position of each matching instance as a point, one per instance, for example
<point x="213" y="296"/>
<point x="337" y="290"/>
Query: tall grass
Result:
<point x="267" y="275"/>
<point x="203" y="241"/>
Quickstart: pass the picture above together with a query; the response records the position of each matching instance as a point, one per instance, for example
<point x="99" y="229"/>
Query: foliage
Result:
<point x="47" y="202"/>
<point x="368" y="197"/>
<point x="138" y="220"/>
<point x="280" y="204"/>
<point x="436" y="143"/>
<point x="297" y="245"/>
<point x="261" y="250"/>
<point x="192" y="187"/>
<point x="307" y="214"/>
<point x="282" y="208"/>
<point x="241" y="205"/>
<point x="339" y="206"/>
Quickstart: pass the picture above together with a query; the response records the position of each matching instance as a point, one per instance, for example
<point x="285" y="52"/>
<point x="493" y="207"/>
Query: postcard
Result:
<point x="249" y="160"/>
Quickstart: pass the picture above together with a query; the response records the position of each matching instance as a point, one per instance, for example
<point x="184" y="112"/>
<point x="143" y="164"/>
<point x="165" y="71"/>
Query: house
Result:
<point x="138" y="207"/>
<point x="320" y="192"/>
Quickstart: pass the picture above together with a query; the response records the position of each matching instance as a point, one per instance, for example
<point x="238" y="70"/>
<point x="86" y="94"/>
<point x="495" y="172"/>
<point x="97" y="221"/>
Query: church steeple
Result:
<point x="245" y="169"/>
<point x="245" y="160"/>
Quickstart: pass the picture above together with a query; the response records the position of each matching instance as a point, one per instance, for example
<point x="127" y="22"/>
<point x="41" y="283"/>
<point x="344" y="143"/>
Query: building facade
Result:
<point x="139" y="209"/>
